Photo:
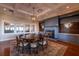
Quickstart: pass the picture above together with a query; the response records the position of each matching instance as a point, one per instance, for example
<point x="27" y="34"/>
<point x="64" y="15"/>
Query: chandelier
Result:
<point x="33" y="17"/>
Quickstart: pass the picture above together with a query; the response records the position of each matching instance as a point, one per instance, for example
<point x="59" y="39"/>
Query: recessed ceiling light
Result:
<point x="67" y="7"/>
<point x="4" y="9"/>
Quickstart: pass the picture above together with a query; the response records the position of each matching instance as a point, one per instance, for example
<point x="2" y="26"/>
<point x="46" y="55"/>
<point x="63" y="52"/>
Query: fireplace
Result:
<point x="50" y="33"/>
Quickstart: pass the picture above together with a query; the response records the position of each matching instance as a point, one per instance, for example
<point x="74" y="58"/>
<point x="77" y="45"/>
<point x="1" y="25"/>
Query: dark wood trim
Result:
<point x="40" y="26"/>
<point x="68" y="15"/>
<point x="59" y="24"/>
<point x="75" y="13"/>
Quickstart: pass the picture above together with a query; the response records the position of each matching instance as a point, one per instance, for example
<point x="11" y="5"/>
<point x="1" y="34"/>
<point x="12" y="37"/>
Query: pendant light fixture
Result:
<point x="33" y="17"/>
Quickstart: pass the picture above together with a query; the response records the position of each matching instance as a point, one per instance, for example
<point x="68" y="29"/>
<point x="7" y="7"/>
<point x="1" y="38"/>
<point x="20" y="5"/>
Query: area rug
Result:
<point x="53" y="49"/>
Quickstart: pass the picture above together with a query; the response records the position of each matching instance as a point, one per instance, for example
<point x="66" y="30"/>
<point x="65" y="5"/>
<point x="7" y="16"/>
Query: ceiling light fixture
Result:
<point x="67" y="7"/>
<point x="33" y="17"/>
<point x="4" y="9"/>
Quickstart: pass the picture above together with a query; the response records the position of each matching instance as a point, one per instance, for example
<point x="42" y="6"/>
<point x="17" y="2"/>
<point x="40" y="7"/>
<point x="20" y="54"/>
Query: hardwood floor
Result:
<point x="73" y="50"/>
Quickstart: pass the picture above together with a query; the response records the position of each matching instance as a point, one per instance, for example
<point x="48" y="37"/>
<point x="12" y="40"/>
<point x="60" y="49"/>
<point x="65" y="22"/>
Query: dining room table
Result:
<point x="30" y="39"/>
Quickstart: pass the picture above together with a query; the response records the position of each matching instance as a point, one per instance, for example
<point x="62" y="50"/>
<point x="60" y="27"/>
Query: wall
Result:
<point x="69" y="37"/>
<point x="16" y="21"/>
<point x="66" y="37"/>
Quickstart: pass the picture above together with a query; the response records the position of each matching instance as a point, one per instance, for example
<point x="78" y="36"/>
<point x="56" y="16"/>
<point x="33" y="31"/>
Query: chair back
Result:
<point x="18" y="40"/>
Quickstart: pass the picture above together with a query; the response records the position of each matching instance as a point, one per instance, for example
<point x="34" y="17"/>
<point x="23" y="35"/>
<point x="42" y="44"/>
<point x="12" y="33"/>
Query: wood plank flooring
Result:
<point x="73" y="50"/>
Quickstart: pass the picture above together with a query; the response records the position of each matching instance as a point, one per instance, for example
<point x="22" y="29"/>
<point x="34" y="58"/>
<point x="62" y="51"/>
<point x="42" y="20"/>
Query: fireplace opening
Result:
<point x="51" y="33"/>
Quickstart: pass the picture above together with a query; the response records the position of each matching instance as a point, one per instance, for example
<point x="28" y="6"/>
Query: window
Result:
<point x="27" y="28"/>
<point x="19" y="29"/>
<point x="32" y="28"/>
<point x="8" y="28"/>
<point x="11" y="28"/>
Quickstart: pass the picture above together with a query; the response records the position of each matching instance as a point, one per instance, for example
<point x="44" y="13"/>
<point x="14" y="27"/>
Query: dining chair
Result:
<point x="22" y="44"/>
<point x="43" y="42"/>
<point x="19" y="45"/>
<point x="33" y="46"/>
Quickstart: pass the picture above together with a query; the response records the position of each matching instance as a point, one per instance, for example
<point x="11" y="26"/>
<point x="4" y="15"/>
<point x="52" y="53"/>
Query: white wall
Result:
<point x="16" y="21"/>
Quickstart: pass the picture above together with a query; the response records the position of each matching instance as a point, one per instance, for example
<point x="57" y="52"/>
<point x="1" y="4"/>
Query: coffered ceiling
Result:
<point x="41" y="10"/>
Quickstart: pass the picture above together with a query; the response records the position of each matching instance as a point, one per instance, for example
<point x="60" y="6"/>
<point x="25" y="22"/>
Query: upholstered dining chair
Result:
<point x="33" y="46"/>
<point x="21" y="45"/>
<point x="43" y="42"/>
